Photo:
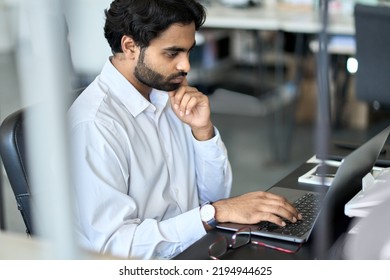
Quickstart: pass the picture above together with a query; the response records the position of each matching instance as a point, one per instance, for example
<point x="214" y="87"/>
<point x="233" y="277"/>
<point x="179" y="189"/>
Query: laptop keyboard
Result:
<point x="309" y="206"/>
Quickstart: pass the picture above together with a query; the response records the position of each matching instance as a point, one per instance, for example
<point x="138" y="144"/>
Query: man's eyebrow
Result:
<point x="180" y="49"/>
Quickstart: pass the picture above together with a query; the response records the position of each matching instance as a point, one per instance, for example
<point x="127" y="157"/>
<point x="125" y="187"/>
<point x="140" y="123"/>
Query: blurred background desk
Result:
<point x="276" y="17"/>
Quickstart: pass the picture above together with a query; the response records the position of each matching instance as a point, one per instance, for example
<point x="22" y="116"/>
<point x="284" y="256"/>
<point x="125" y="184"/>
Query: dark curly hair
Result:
<point x="144" y="20"/>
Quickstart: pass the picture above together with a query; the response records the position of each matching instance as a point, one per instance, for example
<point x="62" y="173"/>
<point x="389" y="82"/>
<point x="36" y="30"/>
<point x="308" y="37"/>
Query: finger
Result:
<point x="184" y="104"/>
<point x="190" y="101"/>
<point x="175" y="98"/>
<point x="269" y="217"/>
<point x="193" y="101"/>
<point x="179" y="93"/>
<point x="287" y="211"/>
<point x="183" y="95"/>
<point x="274" y="214"/>
<point x="283" y="212"/>
<point x="276" y="206"/>
<point x="185" y="82"/>
<point x="283" y="202"/>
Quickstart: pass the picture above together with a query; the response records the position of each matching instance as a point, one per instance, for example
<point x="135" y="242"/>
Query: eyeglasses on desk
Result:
<point x="240" y="238"/>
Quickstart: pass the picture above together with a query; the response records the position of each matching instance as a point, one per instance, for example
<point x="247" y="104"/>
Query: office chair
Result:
<point x="372" y="29"/>
<point x="2" y="215"/>
<point x="13" y="154"/>
<point x="14" y="157"/>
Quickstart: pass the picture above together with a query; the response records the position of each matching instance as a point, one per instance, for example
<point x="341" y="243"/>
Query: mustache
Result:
<point x="180" y="74"/>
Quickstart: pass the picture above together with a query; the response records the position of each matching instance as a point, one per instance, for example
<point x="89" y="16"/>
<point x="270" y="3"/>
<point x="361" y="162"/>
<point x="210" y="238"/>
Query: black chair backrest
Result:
<point x="372" y="28"/>
<point x="13" y="154"/>
<point x="14" y="157"/>
<point x="2" y="216"/>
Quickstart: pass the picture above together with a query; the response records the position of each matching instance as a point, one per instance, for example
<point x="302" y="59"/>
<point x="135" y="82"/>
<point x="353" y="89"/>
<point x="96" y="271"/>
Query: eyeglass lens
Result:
<point x="221" y="246"/>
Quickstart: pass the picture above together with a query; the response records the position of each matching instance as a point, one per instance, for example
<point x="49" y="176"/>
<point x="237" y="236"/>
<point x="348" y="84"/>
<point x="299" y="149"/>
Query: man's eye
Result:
<point x="172" y="54"/>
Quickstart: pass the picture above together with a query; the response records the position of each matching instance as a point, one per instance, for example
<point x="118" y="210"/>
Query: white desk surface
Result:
<point x="15" y="246"/>
<point x="341" y="45"/>
<point x="272" y="18"/>
<point x="220" y="16"/>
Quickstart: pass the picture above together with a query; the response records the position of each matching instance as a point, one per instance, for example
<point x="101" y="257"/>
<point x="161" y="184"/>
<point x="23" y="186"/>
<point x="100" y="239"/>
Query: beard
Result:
<point x="152" y="78"/>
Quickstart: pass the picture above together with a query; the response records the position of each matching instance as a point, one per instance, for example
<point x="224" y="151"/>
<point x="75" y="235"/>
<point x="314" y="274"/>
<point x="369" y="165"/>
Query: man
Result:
<point x="147" y="157"/>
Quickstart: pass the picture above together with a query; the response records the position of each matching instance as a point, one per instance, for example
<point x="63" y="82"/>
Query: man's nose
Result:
<point x="184" y="64"/>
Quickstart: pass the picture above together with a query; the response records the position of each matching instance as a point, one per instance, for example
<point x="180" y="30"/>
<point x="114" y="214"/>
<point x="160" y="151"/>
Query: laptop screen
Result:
<point x="346" y="184"/>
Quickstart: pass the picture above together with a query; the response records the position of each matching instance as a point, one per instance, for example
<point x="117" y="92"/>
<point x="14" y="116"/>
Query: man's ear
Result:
<point x="129" y="47"/>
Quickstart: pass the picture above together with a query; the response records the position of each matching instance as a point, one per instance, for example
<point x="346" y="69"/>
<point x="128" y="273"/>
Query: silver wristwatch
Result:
<point x="207" y="214"/>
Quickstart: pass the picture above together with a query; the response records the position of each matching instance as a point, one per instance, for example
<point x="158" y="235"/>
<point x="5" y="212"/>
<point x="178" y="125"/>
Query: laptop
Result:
<point x="340" y="149"/>
<point x="345" y="184"/>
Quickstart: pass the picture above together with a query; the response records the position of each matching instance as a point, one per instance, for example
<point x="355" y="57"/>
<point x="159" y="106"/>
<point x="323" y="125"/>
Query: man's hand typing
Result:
<point x="254" y="207"/>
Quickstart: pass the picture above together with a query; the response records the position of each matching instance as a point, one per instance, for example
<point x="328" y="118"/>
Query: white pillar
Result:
<point x="44" y="69"/>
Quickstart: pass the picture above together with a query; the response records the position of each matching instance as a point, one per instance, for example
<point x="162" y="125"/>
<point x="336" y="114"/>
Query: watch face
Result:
<point x="207" y="212"/>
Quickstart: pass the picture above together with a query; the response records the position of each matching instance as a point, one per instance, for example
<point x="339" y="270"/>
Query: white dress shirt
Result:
<point x="139" y="174"/>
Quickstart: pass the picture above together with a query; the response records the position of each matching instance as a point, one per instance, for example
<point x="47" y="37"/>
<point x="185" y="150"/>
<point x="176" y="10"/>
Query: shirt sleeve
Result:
<point x="106" y="216"/>
<point x="167" y="237"/>
<point x="213" y="170"/>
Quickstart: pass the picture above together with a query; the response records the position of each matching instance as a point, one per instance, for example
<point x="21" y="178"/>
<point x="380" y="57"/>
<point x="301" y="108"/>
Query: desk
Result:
<point x="271" y="17"/>
<point x="308" y="251"/>
<point x="16" y="246"/>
